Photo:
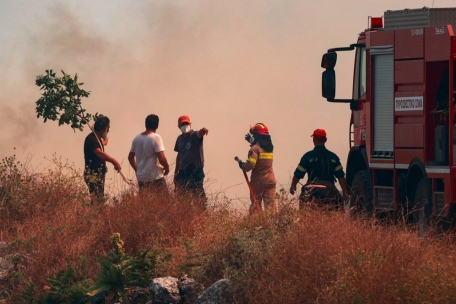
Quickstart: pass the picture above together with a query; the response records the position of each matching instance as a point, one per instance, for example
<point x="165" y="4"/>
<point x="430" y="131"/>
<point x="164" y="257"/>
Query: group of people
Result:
<point x="148" y="160"/>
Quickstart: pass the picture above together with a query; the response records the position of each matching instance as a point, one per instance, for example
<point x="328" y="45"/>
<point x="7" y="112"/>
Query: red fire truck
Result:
<point x="403" y="114"/>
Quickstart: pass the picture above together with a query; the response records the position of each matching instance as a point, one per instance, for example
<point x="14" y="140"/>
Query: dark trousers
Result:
<point x="157" y="186"/>
<point x="191" y="181"/>
<point x="327" y="194"/>
<point x="95" y="182"/>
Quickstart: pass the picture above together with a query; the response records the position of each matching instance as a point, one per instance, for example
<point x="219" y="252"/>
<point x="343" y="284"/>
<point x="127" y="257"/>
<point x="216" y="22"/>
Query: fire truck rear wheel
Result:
<point x="360" y="202"/>
<point x="422" y="207"/>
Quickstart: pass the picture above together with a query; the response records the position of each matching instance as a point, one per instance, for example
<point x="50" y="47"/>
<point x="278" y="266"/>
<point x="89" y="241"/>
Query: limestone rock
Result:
<point x="216" y="294"/>
<point x="189" y="289"/>
<point x="139" y="296"/>
<point x="165" y="291"/>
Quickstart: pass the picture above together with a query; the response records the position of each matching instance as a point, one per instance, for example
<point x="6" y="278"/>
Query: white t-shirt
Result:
<point x="146" y="148"/>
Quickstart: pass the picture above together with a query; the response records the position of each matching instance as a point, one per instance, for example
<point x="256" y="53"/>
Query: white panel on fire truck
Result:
<point x="383" y="103"/>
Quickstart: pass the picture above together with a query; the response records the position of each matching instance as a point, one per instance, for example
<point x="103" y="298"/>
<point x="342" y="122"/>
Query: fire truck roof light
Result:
<point x="376" y="22"/>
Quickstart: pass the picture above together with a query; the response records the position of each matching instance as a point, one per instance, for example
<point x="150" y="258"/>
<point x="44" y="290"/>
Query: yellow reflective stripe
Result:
<point x="266" y="155"/>
<point x="311" y="160"/>
<point x="302" y="169"/>
<point x="252" y="160"/>
<point x="338" y="168"/>
<point x="333" y="160"/>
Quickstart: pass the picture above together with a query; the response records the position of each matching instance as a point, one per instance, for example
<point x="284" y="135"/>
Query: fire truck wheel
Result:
<point x="422" y="207"/>
<point x="360" y="202"/>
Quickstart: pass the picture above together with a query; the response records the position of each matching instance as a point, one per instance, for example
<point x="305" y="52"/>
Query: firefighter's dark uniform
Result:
<point x="322" y="167"/>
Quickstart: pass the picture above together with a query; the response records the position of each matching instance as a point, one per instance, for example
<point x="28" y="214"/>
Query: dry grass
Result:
<point x="308" y="256"/>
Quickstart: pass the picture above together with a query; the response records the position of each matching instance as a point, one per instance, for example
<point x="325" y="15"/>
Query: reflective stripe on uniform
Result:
<point x="266" y="155"/>
<point x="338" y="168"/>
<point x="311" y="160"/>
<point x="333" y="160"/>
<point x="302" y="169"/>
<point x="252" y="160"/>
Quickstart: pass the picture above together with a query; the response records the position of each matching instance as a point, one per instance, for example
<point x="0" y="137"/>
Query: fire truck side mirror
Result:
<point x="328" y="61"/>
<point x="328" y="84"/>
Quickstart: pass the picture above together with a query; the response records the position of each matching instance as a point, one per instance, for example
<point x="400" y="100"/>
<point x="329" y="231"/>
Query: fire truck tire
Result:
<point x="360" y="202"/>
<point x="422" y="208"/>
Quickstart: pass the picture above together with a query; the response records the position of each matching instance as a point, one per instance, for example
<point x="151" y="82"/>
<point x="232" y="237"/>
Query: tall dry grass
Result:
<point x="291" y="256"/>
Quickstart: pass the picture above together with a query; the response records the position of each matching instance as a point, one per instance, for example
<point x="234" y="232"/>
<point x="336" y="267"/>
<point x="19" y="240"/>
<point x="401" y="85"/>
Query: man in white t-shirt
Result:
<point x="147" y="158"/>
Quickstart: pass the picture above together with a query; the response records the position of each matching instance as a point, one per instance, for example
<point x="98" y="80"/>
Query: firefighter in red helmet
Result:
<point x="322" y="167"/>
<point x="259" y="161"/>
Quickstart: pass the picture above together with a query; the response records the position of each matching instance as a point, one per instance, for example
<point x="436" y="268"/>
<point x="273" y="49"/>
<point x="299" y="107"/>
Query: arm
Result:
<point x="163" y="161"/>
<point x="132" y="161"/>
<point x="106" y="157"/>
<point x="343" y="185"/>
<point x="294" y="182"/>
<point x="299" y="173"/>
<point x="251" y="161"/>
<point x="202" y="132"/>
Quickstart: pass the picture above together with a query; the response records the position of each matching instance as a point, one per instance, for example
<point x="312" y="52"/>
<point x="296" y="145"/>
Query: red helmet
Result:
<point x="259" y="128"/>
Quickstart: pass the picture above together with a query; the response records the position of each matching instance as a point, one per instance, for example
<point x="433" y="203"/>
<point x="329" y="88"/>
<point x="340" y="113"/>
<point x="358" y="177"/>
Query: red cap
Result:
<point x="319" y="133"/>
<point x="183" y="119"/>
<point x="260" y="128"/>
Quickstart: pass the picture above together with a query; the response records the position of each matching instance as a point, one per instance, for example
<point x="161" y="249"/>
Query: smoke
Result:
<point x="226" y="64"/>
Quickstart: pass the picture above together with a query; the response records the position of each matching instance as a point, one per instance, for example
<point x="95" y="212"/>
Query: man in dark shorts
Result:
<point x="189" y="174"/>
<point x="322" y="167"/>
<point x="95" y="159"/>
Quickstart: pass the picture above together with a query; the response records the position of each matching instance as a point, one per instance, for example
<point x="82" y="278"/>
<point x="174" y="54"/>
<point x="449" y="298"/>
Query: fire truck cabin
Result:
<point x="403" y="120"/>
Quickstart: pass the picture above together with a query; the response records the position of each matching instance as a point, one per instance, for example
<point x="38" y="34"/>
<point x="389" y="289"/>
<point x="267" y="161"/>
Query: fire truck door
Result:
<point x="383" y="98"/>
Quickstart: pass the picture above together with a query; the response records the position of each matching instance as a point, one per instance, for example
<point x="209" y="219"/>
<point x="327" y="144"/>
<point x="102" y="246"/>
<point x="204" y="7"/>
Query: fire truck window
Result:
<point x="360" y="74"/>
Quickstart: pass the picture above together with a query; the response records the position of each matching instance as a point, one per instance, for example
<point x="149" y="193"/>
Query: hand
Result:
<point x="166" y="171"/>
<point x="241" y="163"/>
<point x="292" y="189"/>
<point x="203" y="131"/>
<point x="117" y="166"/>
<point x="247" y="137"/>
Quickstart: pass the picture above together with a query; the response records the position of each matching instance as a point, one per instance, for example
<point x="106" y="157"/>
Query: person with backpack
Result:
<point x="322" y="167"/>
<point x="259" y="161"/>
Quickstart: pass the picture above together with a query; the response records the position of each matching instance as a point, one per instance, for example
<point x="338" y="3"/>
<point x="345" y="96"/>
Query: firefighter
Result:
<point x="322" y="167"/>
<point x="259" y="161"/>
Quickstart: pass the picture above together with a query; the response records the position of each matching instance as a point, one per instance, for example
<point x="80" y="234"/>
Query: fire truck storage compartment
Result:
<point x="383" y="105"/>
<point x="437" y="110"/>
<point x="384" y="189"/>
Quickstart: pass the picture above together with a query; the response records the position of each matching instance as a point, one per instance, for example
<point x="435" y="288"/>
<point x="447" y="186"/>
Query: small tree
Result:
<point x="61" y="100"/>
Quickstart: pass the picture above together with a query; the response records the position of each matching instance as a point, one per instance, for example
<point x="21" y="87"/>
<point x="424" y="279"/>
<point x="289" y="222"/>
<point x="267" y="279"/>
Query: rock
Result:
<point x="189" y="289"/>
<point x="139" y="296"/>
<point x="218" y="293"/>
<point x="165" y="291"/>
<point x="98" y="298"/>
<point x="6" y="266"/>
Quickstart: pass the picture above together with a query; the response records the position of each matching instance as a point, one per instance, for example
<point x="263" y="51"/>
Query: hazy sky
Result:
<point x="226" y="64"/>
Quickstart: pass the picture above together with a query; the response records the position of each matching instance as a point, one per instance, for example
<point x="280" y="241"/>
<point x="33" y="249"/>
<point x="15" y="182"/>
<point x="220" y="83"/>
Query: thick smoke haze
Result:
<point x="226" y="64"/>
